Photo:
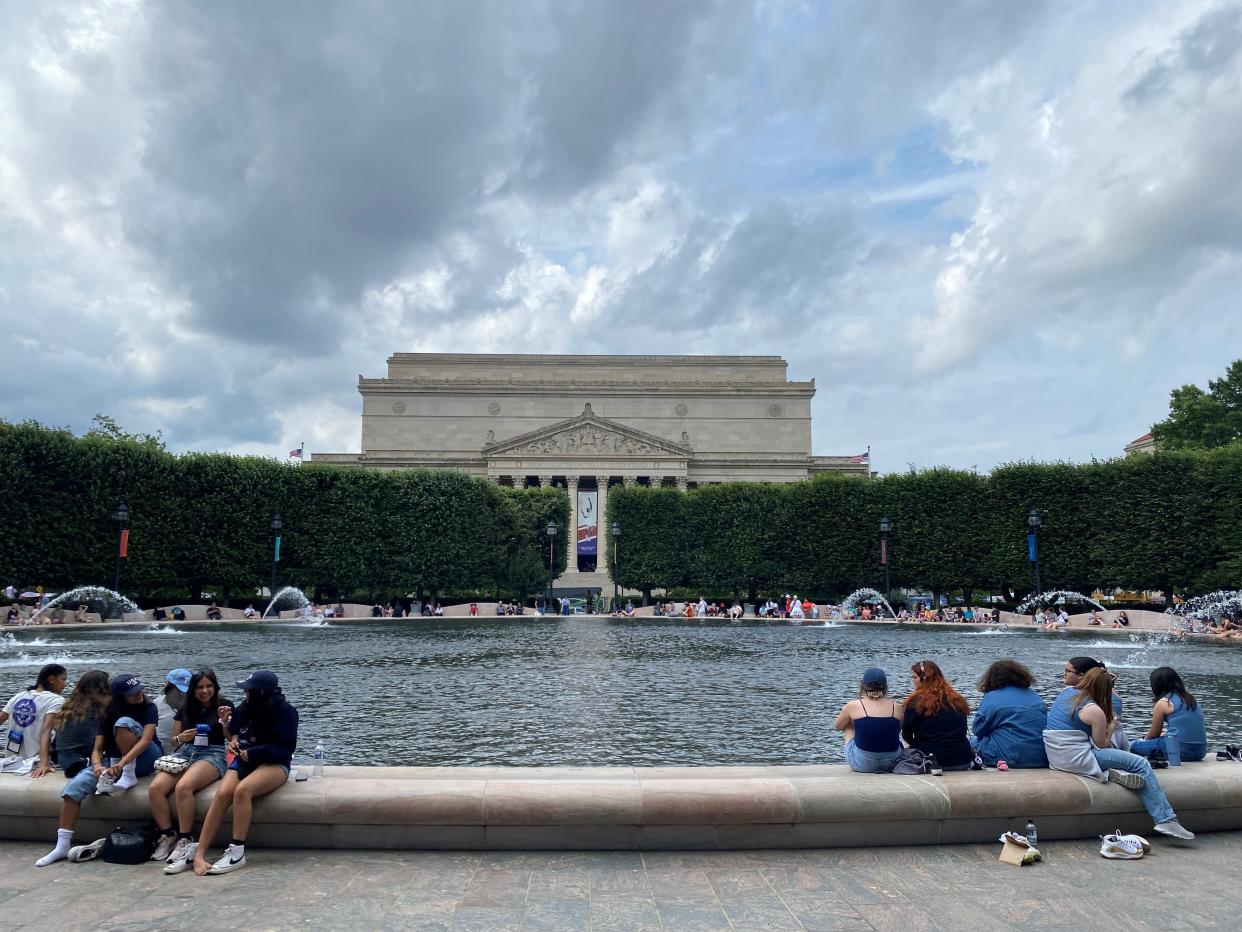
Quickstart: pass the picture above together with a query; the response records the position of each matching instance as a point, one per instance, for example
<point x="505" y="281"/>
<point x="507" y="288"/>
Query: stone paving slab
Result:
<point x="1178" y="886"/>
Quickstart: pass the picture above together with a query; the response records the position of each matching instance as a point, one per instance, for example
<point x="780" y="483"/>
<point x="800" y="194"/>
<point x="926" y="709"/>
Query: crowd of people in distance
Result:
<point x="107" y="734"/>
<point x="1014" y="728"/>
<point x="951" y="614"/>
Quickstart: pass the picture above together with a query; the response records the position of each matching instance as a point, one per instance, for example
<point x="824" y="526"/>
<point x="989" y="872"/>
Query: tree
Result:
<point x="1200" y="420"/>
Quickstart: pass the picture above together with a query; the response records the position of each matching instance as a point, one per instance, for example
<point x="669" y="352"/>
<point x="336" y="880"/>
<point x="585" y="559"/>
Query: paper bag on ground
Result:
<point x="1017" y="850"/>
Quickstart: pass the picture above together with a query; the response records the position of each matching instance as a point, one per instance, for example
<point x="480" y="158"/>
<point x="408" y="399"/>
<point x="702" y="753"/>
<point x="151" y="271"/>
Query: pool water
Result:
<point x="598" y="691"/>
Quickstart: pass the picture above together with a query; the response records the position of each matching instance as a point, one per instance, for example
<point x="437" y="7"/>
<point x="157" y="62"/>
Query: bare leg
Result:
<point x="264" y="780"/>
<point x="198" y="775"/>
<point x="125" y="740"/>
<point x="157" y="795"/>
<point x="69" y="809"/>
<point x="213" y="819"/>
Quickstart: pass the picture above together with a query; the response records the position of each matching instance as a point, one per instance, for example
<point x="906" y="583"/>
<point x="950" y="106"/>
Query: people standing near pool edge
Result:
<point x="200" y="737"/>
<point x="1177" y="710"/>
<point x="265" y="735"/>
<point x="29" y="710"/>
<point x="871" y="725"/>
<point x="935" y="718"/>
<point x="1010" y="720"/>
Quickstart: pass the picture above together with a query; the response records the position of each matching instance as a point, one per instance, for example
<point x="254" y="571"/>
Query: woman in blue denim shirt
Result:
<point x="1009" y="723"/>
<point x="1176" y="707"/>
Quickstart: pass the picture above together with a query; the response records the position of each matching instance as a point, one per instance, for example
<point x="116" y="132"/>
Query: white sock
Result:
<point x="64" y="841"/>
<point x="129" y="776"/>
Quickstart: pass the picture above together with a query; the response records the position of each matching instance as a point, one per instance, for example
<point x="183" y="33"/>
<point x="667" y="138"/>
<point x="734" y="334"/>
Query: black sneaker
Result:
<point x="933" y="766"/>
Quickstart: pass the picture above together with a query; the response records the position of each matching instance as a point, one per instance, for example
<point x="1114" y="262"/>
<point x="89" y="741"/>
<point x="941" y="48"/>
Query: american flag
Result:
<point x="861" y="458"/>
<point x="297" y="454"/>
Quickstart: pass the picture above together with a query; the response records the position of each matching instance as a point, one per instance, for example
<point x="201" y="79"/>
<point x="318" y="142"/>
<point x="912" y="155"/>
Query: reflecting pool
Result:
<point x="598" y="691"/>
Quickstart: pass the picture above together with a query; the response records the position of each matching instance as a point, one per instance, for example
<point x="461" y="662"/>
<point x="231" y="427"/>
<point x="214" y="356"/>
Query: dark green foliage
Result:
<point x="1200" y="420"/>
<point x="1170" y="521"/>
<point x="203" y="521"/>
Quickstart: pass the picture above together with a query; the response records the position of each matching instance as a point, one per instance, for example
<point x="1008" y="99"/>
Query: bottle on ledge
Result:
<point x="317" y="772"/>
<point x="1032" y="836"/>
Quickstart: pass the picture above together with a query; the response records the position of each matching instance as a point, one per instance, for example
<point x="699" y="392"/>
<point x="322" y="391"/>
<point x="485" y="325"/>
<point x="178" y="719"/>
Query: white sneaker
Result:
<point x="164" y="847"/>
<point x="1174" y="829"/>
<point x="1120" y="848"/>
<point x="105" y="786"/>
<point x="89" y="852"/>
<point x="182" y="858"/>
<point x="1131" y="781"/>
<point x="234" y="859"/>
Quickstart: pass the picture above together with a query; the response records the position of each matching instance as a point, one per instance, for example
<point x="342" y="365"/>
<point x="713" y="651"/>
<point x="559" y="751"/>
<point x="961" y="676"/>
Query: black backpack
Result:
<point x="129" y="845"/>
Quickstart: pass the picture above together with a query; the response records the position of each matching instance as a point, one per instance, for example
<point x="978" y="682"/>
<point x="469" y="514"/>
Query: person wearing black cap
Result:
<point x="871" y="725"/>
<point x="265" y="735"/>
<point x="127" y="737"/>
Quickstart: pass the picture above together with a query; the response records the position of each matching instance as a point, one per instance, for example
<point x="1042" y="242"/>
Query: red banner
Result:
<point x="124" y="551"/>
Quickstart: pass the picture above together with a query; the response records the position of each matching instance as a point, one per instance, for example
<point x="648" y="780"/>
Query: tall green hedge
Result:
<point x="202" y="522"/>
<point x="1167" y="522"/>
<point x="199" y="522"/>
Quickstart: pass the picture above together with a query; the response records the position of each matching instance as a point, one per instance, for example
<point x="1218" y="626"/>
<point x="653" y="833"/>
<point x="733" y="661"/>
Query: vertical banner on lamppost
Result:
<point x="883" y="551"/>
<point x="588" y="523"/>
<point x="277" y="549"/>
<point x="1030" y="548"/>
<point x="124" y="549"/>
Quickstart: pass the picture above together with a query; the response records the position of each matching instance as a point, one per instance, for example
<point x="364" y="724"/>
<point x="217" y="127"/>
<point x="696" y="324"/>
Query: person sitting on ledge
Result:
<point x="500" y="608"/>
<point x="265" y="735"/>
<point x="1011" y="717"/>
<point x="1173" y="706"/>
<point x="213" y="612"/>
<point x="249" y="612"/>
<point x="871" y="725"/>
<point x="77" y="726"/>
<point x="178" y="613"/>
<point x="81" y="614"/>
<point x="935" y="718"/>
<point x="1091" y="710"/>
<point x="158" y="614"/>
<point x="1121" y="621"/>
<point x="199" y="738"/>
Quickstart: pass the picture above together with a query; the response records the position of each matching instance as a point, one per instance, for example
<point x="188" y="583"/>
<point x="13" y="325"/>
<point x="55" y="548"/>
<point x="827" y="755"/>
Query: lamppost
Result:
<point x="277" y="524"/>
<point x="552" y="530"/>
<point x="616" y="547"/>
<point x="886" y="527"/>
<point x="1033" y="521"/>
<point x="121" y="516"/>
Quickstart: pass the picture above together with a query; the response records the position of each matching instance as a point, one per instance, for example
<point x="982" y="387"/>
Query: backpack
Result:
<point x="911" y="761"/>
<point x="129" y="845"/>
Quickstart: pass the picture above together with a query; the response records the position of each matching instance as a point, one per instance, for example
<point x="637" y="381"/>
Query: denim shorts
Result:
<point x="212" y="754"/>
<point x="862" y="761"/>
<point x="244" y="770"/>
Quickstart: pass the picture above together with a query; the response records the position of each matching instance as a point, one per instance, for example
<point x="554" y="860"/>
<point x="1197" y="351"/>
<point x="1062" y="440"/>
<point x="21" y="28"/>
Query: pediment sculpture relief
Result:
<point x="589" y="440"/>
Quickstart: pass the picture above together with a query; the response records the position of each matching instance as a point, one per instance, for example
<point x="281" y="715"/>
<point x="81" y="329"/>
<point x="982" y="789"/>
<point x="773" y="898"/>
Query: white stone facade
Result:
<point x="588" y="421"/>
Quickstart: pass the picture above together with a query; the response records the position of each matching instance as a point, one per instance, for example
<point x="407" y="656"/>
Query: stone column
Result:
<point x="629" y="481"/>
<point x="683" y="484"/>
<point x="545" y="481"/>
<point x="571" y="486"/>
<point x="601" y="550"/>
<point x="519" y="481"/>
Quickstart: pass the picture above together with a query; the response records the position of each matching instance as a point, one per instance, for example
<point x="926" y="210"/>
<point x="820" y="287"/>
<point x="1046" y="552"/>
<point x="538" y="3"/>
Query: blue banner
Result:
<point x="278" y="549"/>
<point x="1030" y="548"/>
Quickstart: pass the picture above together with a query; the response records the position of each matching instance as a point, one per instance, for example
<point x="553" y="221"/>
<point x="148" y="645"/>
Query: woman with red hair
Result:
<point x="935" y="718"/>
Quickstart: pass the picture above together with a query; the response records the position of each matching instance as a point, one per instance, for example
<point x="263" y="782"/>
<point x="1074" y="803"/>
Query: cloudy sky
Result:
<point x="989" y="230"/>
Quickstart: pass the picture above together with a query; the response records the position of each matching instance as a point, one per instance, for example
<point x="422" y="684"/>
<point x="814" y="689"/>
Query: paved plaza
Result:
<point x="949" y="887"/>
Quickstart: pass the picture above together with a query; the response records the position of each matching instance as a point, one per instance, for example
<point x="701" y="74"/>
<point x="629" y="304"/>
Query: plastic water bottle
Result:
<point x="317" y="771"/>
<point x="1172" y="747"/>
<point x="1032" y="836"/>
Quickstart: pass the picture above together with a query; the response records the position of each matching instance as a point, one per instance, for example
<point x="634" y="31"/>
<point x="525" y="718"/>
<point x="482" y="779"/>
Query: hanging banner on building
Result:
<point x="588" y="523"/>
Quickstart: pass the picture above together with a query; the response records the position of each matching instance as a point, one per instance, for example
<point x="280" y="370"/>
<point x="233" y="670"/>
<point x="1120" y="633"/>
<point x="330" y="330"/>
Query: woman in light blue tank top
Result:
<point x="1174" y="709"/>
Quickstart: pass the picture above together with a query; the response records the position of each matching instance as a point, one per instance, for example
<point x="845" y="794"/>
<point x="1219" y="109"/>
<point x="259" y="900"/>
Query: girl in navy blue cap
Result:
<point x="871" y="725"/>
<point x="265" y="735"/>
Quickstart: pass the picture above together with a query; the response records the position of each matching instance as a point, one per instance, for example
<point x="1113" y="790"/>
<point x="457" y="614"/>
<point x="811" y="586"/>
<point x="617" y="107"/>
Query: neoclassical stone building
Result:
<point x="584" y="423"/>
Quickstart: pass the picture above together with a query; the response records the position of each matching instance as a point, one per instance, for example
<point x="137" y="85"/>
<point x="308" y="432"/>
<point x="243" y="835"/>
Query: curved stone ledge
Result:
<point x="662" y="807"/>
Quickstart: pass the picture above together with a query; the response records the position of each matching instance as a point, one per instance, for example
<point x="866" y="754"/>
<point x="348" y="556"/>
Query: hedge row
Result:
<point x="1169" y="522"/>
<point x="203" y="522"/>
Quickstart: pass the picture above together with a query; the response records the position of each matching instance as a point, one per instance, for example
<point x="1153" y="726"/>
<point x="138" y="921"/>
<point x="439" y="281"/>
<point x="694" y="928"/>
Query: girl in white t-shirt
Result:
<point x="26" y="711"/>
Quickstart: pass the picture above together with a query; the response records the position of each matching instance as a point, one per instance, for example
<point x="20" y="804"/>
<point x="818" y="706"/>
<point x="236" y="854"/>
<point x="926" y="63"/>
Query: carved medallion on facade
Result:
<point x="494" y="408"/>
<point x="398" y="407"/>
<point x="681" y="410"/>
<point x="774" y="410"/>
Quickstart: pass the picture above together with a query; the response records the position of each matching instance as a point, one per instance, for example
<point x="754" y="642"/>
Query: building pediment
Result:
<point x="589" y="435"/>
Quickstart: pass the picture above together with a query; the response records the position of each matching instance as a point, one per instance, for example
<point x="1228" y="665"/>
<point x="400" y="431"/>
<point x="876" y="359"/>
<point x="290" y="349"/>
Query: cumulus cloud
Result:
<point x="213" y="217"/>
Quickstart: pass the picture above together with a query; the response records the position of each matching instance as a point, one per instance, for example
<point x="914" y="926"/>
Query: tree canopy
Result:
<point x="1200" y="420"/>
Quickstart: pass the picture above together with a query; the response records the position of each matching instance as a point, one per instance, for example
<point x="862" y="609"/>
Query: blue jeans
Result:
<point x="146" y="760"/>
<point x="1154" y="800"/>
<point x="861" y="761"/>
